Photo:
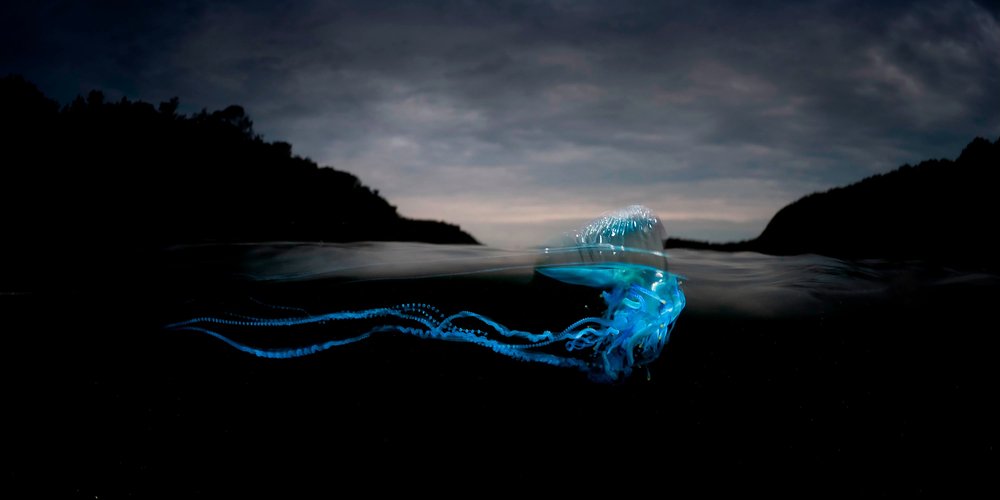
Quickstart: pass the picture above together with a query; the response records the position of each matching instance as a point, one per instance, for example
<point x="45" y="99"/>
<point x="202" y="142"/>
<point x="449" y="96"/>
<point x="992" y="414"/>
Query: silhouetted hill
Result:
<point x="130" y="176"/>
<point x="739" y="246"/>
<point x="942" y="210"/>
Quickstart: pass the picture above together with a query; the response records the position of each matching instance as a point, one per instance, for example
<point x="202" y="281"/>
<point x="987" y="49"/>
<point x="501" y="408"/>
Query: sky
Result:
<point x="521" y="120"/>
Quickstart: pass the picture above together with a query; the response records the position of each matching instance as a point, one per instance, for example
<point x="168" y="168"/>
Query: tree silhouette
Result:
<point x="131" y="177"/>
<point x="942" y="210"/>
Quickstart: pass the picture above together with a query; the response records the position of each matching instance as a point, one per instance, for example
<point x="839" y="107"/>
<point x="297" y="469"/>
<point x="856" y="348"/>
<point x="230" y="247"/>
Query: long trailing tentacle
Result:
<point x="620" y="253"/>
<point x="637" y="320"/>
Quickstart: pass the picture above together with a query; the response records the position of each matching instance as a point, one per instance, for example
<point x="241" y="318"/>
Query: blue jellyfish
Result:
<point x="618" y="255"/>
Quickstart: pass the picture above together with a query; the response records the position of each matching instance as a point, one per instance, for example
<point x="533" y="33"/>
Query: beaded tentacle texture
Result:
<point x="619" y="254"/>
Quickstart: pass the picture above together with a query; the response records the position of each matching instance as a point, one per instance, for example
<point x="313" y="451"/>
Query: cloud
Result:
<point x="513" y="117"/>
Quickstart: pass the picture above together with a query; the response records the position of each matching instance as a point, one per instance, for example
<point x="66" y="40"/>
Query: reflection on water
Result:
<point x="716" y="283"/>
<point x="753" y="284"/>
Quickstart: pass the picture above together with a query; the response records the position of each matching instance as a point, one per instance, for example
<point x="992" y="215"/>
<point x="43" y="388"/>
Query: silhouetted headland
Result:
<point x="938" y="210"/>
<point x="127" y="177"/>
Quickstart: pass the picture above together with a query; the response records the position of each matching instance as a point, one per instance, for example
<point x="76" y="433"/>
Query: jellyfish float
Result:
<point x="616" y="259"/>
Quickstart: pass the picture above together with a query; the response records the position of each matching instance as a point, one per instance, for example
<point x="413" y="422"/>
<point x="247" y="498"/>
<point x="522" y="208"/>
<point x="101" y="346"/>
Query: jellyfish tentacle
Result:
<point x="618" y="254"/>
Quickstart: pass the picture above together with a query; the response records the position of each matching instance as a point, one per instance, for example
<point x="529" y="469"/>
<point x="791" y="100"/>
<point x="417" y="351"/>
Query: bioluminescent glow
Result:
<point x="618" y="254"/>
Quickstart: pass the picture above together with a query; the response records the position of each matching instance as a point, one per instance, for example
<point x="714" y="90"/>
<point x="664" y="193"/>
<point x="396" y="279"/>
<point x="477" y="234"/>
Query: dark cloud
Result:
<point x="512" y="118"/>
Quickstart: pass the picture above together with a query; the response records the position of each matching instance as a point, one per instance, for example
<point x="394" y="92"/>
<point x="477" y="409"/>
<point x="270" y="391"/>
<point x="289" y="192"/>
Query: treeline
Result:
<point x="126" y="177"/>
<point x="940" y="210"/>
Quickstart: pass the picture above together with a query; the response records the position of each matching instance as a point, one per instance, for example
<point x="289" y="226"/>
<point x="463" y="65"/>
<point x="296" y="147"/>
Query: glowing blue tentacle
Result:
<point x="399" y="312"/>
<point x="643" y="303"/>
<point x="627" y="327"/>
<point x="282" y="353"/>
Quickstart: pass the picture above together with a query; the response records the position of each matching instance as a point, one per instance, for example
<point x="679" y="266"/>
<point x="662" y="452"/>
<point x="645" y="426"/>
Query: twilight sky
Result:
<point x="519" y="120"/>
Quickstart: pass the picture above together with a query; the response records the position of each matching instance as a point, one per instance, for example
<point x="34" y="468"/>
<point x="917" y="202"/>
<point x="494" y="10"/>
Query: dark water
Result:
<point x="811" y="373"/>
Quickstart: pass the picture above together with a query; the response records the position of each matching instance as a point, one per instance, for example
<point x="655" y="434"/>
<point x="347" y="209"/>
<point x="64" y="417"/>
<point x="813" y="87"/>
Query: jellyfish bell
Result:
<point x="630" y="235"/>
<point x="621" y="253"/>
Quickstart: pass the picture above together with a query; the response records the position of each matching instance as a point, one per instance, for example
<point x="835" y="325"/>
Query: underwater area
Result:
<point x="779" y="364"/>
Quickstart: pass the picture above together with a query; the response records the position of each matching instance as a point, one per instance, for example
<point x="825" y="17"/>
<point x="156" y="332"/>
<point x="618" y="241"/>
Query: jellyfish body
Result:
<point x="617" y="254"/>
<point x="642" y="308"/>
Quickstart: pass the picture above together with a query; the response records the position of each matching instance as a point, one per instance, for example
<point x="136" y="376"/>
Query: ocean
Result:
<point x="811" y="372"/>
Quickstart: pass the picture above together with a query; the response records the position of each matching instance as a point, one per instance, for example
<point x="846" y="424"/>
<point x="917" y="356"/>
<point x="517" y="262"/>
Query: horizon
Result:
<point x="521" y="121"/>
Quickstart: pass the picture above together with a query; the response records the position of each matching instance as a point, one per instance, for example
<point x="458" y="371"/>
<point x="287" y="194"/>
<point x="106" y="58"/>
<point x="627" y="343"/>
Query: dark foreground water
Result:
<point x="784" y="374"/>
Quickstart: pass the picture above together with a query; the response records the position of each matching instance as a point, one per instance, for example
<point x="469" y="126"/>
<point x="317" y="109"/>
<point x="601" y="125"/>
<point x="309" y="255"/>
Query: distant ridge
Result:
<point x="205" y="177"/>
<point x="942" y="210"/>
<point x="110" y="181"/>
